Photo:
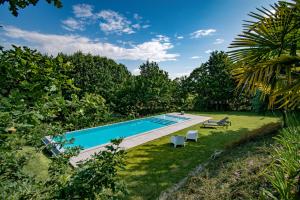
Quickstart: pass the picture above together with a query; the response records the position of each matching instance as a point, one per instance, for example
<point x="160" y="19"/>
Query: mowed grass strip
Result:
<point x="156" y="165"/>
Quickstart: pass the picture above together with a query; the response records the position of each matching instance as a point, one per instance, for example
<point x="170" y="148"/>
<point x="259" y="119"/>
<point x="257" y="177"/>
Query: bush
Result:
<point x="97" y="178"/>
<point x="284" y="172"/>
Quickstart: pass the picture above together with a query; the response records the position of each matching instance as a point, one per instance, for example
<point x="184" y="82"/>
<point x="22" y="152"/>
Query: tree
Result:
<point x="212" y="82"/>
<point x="183" y="97"/>
<point x="267" y="55"/>
<point x="100" y="75"/>
<point x="38" y="98"/>
<point x="153" y="88"/>
<point x="149" y="92"/>
<point x="15" y="5"/>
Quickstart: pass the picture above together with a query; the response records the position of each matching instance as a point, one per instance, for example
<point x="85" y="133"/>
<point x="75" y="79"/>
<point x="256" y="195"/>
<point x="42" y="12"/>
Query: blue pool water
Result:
<point x="92" y="137"/>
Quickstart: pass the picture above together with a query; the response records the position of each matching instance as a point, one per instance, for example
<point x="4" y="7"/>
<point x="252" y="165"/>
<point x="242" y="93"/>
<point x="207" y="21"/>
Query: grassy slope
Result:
<point x="155" y="166"/>
<point x="234" y="175"/>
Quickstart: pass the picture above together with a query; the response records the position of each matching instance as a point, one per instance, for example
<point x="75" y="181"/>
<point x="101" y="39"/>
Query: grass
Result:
<point x="236" y="174"/>
<point x="156" y="165"/>
<point x="37" y="165"/>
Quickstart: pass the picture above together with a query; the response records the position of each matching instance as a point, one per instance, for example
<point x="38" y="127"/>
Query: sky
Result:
<point x="178" y="34"/>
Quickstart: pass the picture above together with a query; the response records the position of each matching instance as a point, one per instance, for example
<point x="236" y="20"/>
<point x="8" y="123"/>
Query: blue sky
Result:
<point x="179" y="34"/>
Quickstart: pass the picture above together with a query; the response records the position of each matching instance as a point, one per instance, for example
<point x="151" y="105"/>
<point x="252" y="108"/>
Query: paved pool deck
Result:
<point x="142" y="138"/>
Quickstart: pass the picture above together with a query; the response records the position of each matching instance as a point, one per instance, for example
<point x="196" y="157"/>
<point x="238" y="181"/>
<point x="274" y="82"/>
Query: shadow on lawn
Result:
<point x="155" y="166"/>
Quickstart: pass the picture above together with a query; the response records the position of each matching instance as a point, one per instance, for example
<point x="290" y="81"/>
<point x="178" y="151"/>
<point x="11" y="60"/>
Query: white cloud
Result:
<point x="179" y="37"/>
<point x="209" y="51"/>
<point x="83" y="10"/>
<point x="200" y="33"/>
<point x="195" y="57"/>
<point x="72" y="24"/>
<point x="153" y="50"/>
<point x="137" y="26"/>
<point x="110" y="21"/>
<point x="113" y="22"/>
<point x="219" y="41"/>
<point x="146" y="26"/>
<point x="137" y="16"/>
<point x="136" y="71"/>
<point x="161" y="38"/>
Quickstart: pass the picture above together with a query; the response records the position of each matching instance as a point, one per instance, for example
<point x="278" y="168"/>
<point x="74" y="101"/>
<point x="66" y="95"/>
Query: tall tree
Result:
<point x="154" y="88"/>
<point x="212" y="82"/>
<point x="149" y="92"/>
<point x="267" y="56"/>
<point x="95" y="74"/>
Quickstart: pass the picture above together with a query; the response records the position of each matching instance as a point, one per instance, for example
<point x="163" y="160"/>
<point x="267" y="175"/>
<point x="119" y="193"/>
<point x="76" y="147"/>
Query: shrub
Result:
<point x="98" y="178"/>
<point x="284" y="173"/>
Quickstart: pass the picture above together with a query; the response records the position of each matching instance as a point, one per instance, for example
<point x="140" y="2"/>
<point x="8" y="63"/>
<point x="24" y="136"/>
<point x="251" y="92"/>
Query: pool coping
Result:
<point x="128" y="142"/>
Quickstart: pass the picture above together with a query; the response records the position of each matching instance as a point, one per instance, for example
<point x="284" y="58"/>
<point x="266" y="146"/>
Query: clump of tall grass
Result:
<point x="284" y="171"/>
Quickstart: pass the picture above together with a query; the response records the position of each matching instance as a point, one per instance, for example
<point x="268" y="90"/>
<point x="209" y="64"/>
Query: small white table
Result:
<point x="192" y="135"/>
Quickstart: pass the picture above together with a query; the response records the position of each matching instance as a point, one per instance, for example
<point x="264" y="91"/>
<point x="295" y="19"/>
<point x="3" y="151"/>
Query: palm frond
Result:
<point x="266" y="54"/>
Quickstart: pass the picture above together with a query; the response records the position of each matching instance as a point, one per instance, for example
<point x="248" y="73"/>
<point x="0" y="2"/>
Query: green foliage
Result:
<point x="283" y="173"/>
<point x="89" y="111"/>
<point x="183" y="97"/>
<point x="15" y="5"/>
<point x="99" y="75"/>
<point x="38" y="98"/>
<point x="267" y="55"/>
<point x="149" y="92"/>
<point x="76" y="113"/>
<point x="97" y="178"/>
<point x="26" y="75"/>
<point x="258" y="105"/>
<point x="212" y="83"/>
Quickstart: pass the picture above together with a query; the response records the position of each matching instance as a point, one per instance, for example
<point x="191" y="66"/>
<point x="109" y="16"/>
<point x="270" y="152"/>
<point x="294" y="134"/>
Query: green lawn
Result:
<point x="38" y="164"/>
<point x="156" y="165"/>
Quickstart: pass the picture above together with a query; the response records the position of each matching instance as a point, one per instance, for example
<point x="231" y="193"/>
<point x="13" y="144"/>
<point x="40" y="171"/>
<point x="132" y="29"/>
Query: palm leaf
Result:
<point x="266" y="54"/>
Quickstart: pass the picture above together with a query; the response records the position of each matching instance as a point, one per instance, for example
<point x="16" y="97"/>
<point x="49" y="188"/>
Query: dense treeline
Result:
<point x="44" y="95"/>
<point x="82" y="90"/>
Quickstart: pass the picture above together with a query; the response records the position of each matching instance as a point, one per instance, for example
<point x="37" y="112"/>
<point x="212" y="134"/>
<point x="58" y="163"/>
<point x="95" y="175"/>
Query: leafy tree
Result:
<point x="26" y="75"/>
<point x="95" y="74"/>
<point x="98" y="178"/>
<point x="38" y="98"/>
<point x="267" y="55"/>
<point x="184" y="99"/>
<point x="155" y="88"/>
<point x="212" y="82"/>
<point x="15" y="5"/>
<point x="149" y="92"/>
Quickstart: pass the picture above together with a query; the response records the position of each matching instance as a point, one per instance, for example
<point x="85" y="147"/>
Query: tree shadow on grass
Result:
<point x="155" y="166"/>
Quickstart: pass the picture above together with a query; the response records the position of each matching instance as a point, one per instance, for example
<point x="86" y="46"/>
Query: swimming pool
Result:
<point x="91" y="137"/>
